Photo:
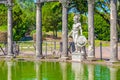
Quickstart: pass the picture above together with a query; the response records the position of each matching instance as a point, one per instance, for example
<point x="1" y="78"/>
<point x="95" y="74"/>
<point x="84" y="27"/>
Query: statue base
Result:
<point x="78" y="56"/>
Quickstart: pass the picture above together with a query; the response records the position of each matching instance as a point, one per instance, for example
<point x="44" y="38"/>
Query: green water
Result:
<point x="26" y="70"/>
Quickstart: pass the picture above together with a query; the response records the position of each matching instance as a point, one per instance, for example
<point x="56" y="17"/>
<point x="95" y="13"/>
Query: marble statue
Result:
<point x="75" y="30"/>
<point x="79" y="40"/>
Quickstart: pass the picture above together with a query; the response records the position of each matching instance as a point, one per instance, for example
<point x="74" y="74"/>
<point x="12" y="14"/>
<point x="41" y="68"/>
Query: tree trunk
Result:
<point x="38" y="30"/>
<point x="91" y="40"/>
<point x="56" y="33"/>
<point x="113" y="32"/>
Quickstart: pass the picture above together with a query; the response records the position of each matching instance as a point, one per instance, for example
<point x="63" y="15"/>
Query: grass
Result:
<point x="104" y="43"/>
<point x="97" y="42"/>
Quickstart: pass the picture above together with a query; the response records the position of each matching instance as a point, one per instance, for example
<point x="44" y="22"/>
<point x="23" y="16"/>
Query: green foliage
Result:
<point x="3" y="15"/>
<point x="32" y="32"/>
<point x="102" y="28"/>
<point x="81" y="5"/>
<point x="70" y="21"/>
<point x="3" y="28"/>
<point x="51" y="17"/>
<point x="118" y="18"/>
<point x="23" y="19"/>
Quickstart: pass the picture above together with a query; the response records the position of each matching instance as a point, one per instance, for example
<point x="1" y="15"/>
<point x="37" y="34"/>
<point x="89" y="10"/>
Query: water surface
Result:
<point x="27" y="70"/>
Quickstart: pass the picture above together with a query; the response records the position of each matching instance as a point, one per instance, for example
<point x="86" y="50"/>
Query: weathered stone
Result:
<point x="91" y="40"/>
<point x="113" y="32"/>
<point x="64" y="31"/>
<point x="10" y="25"/>
<point x="38" y="30"/>
<point x="78" y="56"/>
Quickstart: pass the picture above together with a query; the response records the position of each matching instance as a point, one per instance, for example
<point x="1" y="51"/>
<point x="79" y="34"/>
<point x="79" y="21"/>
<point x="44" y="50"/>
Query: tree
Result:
<point x="51" y="17"/>
<point x="81" y="6"/>
<point x="23" y="19"/>
<point x="102" y="28"/>
<point x="3" y="15"/>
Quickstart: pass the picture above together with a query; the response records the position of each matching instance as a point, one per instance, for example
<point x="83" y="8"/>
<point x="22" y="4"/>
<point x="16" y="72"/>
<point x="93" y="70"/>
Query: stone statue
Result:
<point x="75" y="30"/>
<point x="79" y="40"/>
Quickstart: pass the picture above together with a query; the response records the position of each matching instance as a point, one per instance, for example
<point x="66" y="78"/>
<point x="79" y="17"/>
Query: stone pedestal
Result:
<point x="78" y="56"/>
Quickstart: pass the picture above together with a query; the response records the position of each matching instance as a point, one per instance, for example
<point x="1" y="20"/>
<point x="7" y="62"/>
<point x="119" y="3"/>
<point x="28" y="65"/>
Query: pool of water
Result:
<point x="27" y="70"/>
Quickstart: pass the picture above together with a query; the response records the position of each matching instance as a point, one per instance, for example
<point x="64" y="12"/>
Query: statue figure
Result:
<point x="75" y="30"/>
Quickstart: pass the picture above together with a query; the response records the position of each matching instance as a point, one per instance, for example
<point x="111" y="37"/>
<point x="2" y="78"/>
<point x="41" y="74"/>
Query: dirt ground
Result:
<point x="105" y="53"/>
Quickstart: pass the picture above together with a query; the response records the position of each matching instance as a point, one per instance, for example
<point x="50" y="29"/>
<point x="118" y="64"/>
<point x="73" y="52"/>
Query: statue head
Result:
<point x="76" y="18"/>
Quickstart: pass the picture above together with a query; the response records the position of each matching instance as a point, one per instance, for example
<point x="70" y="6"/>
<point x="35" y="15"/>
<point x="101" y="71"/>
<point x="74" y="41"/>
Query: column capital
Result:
<point x="114" y="0"/>
<point x="65" y="3"/>
<point x="9" y="5"/>
<point x="91" y="1"/>
<point x="38" y="2"/>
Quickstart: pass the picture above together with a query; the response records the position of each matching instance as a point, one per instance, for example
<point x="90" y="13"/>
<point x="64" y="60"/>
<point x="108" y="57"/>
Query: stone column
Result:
<point x="9" y="64"/>
<point x="10" y="36"/>
<point x="91" y="40"/>
<point x="113" y="31"/>
<point x="38" y="30"/>
<point x="64" y="29"/>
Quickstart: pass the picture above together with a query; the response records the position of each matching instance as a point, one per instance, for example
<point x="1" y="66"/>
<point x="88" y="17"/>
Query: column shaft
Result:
<point x="38" y="30"/>
<point x="10" y="36"/>
<point x="64" y="31"/>
<point x="91" y="40"/>
<point x="113" y="31"/>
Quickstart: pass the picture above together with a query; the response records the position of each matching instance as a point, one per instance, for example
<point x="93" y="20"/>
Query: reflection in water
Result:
<point x="91" y="72"/>
<point x="9" y="64"/>
<point x="64" y="70"/>
<point x="26" y="70"/>
<point x="38" y="76"/>
<point x="78" y="70"/>
<point x="113" y="73"/>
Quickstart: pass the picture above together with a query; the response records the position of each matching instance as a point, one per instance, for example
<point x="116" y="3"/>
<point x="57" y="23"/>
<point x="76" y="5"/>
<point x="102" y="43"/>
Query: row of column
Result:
<point x="91" y="40"/>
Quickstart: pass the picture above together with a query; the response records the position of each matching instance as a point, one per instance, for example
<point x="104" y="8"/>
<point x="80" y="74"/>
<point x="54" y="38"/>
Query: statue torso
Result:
<point x="76" y="27"/>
